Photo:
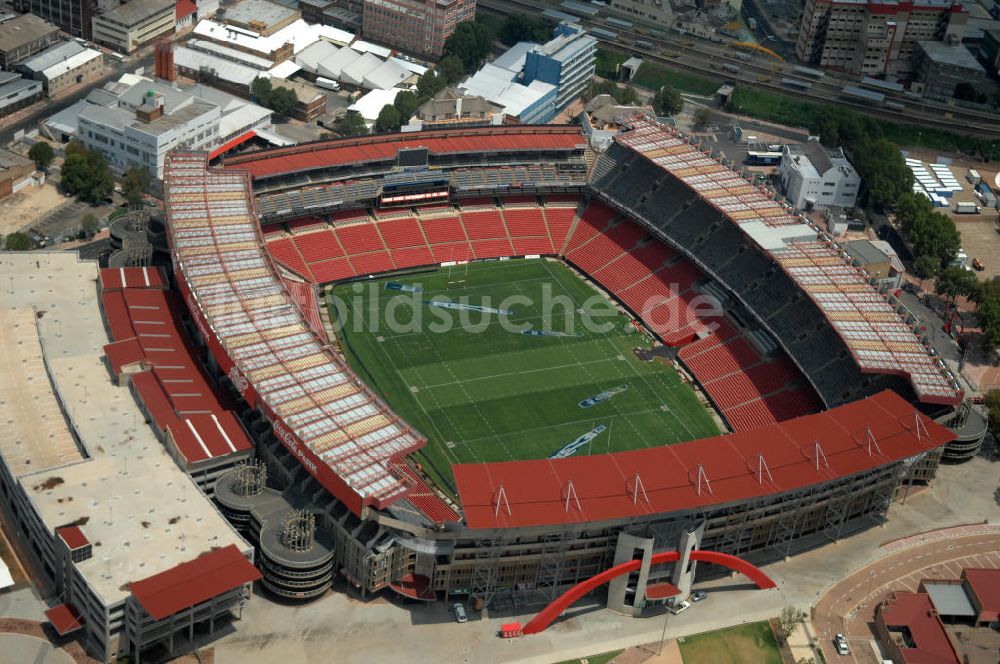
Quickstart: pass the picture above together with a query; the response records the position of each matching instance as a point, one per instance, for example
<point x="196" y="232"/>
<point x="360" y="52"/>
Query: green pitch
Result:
<point x="484" y="391"/>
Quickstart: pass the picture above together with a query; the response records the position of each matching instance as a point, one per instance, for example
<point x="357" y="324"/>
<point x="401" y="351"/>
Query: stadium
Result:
<point x="655" y="364"/>
<point x="505" y="466"/>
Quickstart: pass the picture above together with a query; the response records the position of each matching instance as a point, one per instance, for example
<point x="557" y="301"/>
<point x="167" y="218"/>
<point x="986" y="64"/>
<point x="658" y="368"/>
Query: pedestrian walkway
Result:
<point x="942" y="534"/>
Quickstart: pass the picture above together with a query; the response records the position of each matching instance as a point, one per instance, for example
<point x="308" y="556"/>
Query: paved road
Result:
<point x="849" y="606"/>
<point x="51" y="107"/>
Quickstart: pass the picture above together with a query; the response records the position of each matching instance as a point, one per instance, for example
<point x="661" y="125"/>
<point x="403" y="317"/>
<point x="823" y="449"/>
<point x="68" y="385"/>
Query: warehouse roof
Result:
<point x="23" y="30"/>
<point x="135" y="12"/>
<point x="225" y="70"/>
<point x="952" y="55"/>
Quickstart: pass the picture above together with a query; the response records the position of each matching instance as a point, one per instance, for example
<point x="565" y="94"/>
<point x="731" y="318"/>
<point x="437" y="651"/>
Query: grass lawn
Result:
<point x="482" y="391"/>
<point x="747" y="644"/>
<point x="655" y="77"/>
<point x="596" y="659"/>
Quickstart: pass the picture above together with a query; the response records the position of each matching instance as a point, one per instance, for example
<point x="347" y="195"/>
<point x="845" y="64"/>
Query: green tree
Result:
<point x="930" y="233"/>
<point x="87" y="176"/>
<point x="452" y="69"/>
<point x="282" y="101"/>
<point x="429" y="84"/>
<point x="521" y="27"/>
<point x="17" y="241"/>
<point x="134" y="184"/>
<point x="789" y="618"/>
<point x="701" y="119"/>
<point x="471" y="43"/>
<point x="388" y="119"/>
<point x="41" y="153"/>
<point x="75" y="148"/>
<point x="884" y="171"/>
<point x="260" y="89"/>
<point x="955" y="281"/>
<point x="89" y="224"/>
<point x="352" y="124"/>
<point x="406" y="103"/>
<point x="926" y="267"/>
<point x="667" y="101"/>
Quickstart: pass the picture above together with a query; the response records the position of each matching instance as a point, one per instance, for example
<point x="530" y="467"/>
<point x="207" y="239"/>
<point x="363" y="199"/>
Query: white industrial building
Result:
<point x="814" y="176"/>
<point x="363" y="67"/>
<point x="150" y="119"/>
<point x="300" y="34"/>
<point x="534" y="103"/>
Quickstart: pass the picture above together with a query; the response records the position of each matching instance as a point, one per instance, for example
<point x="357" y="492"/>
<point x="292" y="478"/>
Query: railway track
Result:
<point x="767" y="75"/>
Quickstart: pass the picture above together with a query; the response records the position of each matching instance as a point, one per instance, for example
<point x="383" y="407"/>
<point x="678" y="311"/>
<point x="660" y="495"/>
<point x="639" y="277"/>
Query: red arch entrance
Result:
<point x="564" y="601"/>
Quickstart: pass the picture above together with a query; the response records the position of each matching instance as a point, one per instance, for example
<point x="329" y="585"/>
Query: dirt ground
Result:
<point x="28" y="205"/>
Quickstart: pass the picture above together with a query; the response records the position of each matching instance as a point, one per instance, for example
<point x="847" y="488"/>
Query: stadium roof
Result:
<point x="382" y="147"/>
<point x="797" y="453"/>
<point x="193" y="582"/>
<point x="330" y="420"/>
<point x="871" y="328"/>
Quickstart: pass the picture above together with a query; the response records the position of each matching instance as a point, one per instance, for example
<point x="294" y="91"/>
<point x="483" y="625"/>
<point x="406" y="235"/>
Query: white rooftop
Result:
<point x="299" y="33"/>
<point x="226" y="70"/>
<point x="370" y="104"/>
<point x="141" y="513"/>
<point x="497" y="85"/>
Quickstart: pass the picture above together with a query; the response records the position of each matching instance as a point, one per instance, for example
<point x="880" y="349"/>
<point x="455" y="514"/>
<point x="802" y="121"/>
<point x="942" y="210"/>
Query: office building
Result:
<point x="17" y="92"/>
<point x="875" y="38"/>
<point x="134" y="24"/>
<point x="814" y="176"/>
<point x="150" y="119"/>
<point x="567" y="62"/>
<point x="941" y="67"/>
<point x="415" y="26"/>
<point x="71" y="16"/>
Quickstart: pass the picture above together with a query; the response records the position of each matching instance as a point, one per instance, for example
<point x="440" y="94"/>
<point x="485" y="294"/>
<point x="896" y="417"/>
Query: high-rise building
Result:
<point x="415" y="26"/>
<point x="567" y="61"/>
<point x="73" y="16"/>
<point x="874" y="37"/>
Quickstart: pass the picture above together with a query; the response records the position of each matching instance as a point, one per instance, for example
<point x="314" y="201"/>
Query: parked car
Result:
<point x="699" y="595"/>
<point x="678" y="609"/>
<point x="841" y="643"/>
<point x="460" y="614"/>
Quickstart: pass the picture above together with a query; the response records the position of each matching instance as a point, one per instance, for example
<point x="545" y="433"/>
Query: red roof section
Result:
<point x="915" y="612"/>
<point x="604" y="486"/>
<point x="378" y="148"/>
<point x="145" y="323"/>
<point x="239" y="140"/>
<point x="985" y="584"/>
<point x="73" y="537"/>
<point x="64" y="618"/>
<point x="113" y="278"/>
<point x="184" y="8"/>
<point x="194" y="582"/>
<point x="662" y="590"/>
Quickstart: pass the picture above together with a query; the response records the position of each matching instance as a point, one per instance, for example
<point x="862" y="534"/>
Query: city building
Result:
<point x="989" y="51"/>
<point x="415" y="26"/>
<point x="877" y="258"/>
<point x="23" y="37"/>
<point x="150" y="119"/>
<point x="451" y="108"/>
<point x="185" y="14"/>
<point x="534" y="103"/>
<point x="132" y="555"/>
<point x="17" y="92"/>
<point x="276" y="47"/>
<point x="310" y="102"/>
<point x="918" y="627"/>
<point x="261" y="16"/>
<point x="16" y="172"/>
<point x="345" y="14"/>
<point x="63" y="66"/>
<point x="567" y="62"/>
<point x="876" y="38"/>
<point x="72" y="16"/>
<point x="134" y="24"/>
<point x="658" y="13"/>
<point x="814" y="176"/>
<point x="941" y="67"/>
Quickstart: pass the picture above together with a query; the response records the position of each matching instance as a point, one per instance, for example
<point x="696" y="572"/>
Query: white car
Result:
<point x="841" y="643"/>
<point x="678" y="609"/>
<point x="460" y="614"/>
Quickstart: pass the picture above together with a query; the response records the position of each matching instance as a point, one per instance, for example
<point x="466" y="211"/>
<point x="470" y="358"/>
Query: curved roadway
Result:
<point x="849" y="606"/>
